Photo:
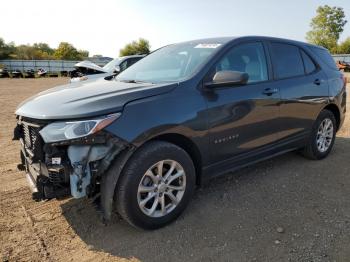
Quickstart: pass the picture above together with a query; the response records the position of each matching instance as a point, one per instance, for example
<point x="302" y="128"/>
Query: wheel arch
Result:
<point x="336" y="112"/>
<point x="186" y="144"/>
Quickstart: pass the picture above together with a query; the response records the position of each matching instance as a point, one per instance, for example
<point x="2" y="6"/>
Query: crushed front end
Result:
<point x="60" y="167"/>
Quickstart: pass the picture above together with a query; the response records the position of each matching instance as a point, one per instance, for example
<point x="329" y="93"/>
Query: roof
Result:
<point x="131" y="56"/>
<point x="228" y="39"/>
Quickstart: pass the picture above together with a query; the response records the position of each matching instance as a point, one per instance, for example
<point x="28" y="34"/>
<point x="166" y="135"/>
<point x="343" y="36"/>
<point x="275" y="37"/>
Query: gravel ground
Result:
<point x="284" y="209"/>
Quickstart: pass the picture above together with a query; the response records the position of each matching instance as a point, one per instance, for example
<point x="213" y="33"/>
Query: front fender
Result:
<point x="182" y="112"/>
<point x="110" y="179"/>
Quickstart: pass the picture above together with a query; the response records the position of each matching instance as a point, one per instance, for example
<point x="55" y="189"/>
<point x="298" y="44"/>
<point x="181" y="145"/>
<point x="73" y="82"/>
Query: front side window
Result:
<point x="287" y="60"/>
<point x="249" y="58"/>
<point x="123" y="65"/>
<point x="111" y="65"/>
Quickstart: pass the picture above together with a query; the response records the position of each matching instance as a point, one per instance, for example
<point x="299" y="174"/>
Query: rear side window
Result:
<point x="133" y="60"/>
<point x="287" y="60"/>
<point x="308" y="63"/>
<point x="325" y="56"/>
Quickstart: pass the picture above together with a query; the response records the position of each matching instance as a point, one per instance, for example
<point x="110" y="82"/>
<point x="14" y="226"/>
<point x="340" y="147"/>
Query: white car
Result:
<point x="87" y="70"/>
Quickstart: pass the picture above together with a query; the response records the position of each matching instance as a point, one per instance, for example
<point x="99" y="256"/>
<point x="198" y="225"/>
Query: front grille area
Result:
<point x="46" y="179"/>
<point x="32" y="140"/>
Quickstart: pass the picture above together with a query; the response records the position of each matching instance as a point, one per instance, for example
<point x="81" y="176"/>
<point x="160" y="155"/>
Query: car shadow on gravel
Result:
<point x="284" y="208"/>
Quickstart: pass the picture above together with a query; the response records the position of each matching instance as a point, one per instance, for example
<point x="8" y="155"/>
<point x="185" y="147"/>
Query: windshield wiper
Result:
<point x="134" y="81"/>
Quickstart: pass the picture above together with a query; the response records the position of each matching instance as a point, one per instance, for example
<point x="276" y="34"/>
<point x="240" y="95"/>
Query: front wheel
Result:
<point x="322" y="136"/>
<point x="156" y="185"/>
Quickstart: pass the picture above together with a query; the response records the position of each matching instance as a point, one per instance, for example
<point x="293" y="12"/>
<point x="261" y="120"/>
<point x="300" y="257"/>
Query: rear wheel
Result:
<point x="156" y="185"/>
<point x="322" y="136"/>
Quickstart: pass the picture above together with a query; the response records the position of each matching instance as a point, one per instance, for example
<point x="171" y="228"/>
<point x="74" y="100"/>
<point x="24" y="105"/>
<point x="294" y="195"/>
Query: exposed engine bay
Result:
<point x="67" y="168"/>
<point x="86" y="68"/>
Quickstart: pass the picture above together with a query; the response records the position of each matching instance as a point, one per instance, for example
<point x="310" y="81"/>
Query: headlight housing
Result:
<point x="61" y="131"/>
<point x="78" y="79"/>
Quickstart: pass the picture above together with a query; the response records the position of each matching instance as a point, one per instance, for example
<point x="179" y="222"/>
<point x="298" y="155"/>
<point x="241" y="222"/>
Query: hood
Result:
<point x="80" y="100"/>
<point x="90" y="65"/>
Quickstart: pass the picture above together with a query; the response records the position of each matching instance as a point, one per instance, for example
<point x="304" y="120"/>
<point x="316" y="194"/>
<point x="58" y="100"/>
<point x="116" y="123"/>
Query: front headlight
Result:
<point x="60" y="131"/>
<point x="78" y="79"/>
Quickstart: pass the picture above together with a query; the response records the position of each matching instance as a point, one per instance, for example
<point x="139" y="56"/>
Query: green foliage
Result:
<point x="44" y="49"/>
<point x="25" y="52"/>
<point x="326" y="27"/>
<point x="66" y="51"/>
<point x="6" y="50"/>
<point x="344" y="47"/>
<point x="83" y="53"/>
<point x="39" y="51"/>
<point x="139" y="47"/>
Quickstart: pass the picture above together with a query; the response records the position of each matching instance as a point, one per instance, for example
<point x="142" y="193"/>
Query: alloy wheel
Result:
<point x="161" y="188"/>
<point x="325" y="134"/>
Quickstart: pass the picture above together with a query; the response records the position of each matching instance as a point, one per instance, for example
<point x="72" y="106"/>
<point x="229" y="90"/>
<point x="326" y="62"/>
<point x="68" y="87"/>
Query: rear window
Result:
<point x="287" y="60"/>
<point x="325" y="56"/>
<point x="308" y="63"/>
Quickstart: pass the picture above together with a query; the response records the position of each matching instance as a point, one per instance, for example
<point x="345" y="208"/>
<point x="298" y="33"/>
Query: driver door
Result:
<point x="242" y="118"/>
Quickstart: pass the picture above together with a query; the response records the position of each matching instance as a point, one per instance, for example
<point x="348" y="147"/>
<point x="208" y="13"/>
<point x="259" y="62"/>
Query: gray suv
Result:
<point x="139" y="143"/>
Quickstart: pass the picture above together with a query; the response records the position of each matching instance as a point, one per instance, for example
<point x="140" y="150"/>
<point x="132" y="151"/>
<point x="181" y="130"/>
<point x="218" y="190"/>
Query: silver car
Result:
<point x="90" y="71"/>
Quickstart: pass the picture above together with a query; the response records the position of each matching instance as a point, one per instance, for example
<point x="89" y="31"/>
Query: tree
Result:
<point x="44" y="48"/>
<point x="66" y="51"/>
<point x="6" y="50"/>
<point x="326" y="27"/>
<point x="39" y="51"/>
<point x="25" y="52"/>
<point x="344" y="47"/>
<point x="83" y="53"/>
<point x="139" y="47"/>
<point x="36" y="51"/>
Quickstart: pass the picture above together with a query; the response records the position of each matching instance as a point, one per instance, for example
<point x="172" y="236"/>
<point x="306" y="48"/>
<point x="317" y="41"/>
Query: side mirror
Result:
<point x="117" y="69"/>
<point x="228" y="78"/>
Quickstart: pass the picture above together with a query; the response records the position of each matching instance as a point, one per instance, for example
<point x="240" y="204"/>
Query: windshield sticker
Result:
<point x="207" y="45"/>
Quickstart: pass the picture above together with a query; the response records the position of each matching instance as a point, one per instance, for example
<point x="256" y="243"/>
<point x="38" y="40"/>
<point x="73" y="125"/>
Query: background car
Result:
<point x="4" y="73"/>
<point x="87" y="70"/>
<point x="16" y="74"/>
<point x="344" y="66"/>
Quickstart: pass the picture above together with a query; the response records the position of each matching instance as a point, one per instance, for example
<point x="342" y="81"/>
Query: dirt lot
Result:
<point x="234" y="218"/>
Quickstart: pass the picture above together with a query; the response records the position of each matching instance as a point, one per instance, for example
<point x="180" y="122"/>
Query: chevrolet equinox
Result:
<point x="140" y="142"/>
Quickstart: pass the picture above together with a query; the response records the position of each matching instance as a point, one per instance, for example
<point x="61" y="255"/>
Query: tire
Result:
<point x="312" y="150"/>
<point x="131" y="202"/>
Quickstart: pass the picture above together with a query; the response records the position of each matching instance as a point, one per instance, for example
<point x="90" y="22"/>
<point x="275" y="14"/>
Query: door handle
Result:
<point x="318" y="82"/>
<point x="270" y="91"/>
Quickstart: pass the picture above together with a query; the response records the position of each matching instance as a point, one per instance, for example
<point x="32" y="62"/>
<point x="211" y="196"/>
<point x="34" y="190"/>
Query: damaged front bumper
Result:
<point x="69" y="168"/>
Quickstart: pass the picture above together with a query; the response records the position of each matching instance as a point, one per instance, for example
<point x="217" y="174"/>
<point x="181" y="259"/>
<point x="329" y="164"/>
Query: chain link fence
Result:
<point x="51" y="66"/>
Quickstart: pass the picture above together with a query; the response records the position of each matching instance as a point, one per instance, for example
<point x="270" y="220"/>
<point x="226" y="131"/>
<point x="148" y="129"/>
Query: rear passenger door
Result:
<point x="303" y="88"/>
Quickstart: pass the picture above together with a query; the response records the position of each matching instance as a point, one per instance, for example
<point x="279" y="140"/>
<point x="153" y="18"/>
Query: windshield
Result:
<point x="111" y="65"/>
<point x="169" y="64"/>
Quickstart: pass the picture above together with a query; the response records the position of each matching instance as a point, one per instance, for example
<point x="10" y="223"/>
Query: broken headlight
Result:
<point x="60" y="131"/>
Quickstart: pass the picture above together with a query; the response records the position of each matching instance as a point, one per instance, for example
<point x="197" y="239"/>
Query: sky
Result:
<point x="105" y="26"/>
